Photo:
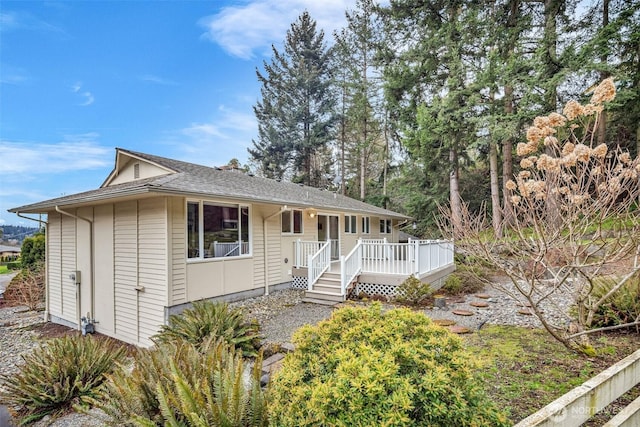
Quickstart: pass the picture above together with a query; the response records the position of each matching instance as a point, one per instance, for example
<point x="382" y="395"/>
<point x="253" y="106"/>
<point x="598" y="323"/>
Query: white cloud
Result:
<point x="12" y="75"/>
<point x="151" y="78"/>
<point x="74" y="153"/>
<point x="87" y="97"/>
<point x="244" y="30"/>
<point x="19" y="20"/>
<point x="215" y="142"/>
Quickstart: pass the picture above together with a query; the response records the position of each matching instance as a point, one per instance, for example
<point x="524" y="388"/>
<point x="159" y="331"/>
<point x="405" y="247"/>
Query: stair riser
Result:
<point x="324" y="288"/>
<point x="316" y="295"/>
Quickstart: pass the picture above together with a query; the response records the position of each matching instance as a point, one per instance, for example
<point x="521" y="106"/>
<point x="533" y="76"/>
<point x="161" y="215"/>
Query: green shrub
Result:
<point x="413" y="292"/>
<point x="211" y="319"/>
<point x="467" y="279"/>
<point x="15" y="265"/>
<point x="365" y="367"/>
<point x="622" y="307"/>
<point x="60" y="373"/>
<point x="180" y="384"/>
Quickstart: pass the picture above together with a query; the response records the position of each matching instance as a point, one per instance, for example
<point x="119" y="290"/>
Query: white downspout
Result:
<point x="91" y="263"/>
<point x="264" y="243"/>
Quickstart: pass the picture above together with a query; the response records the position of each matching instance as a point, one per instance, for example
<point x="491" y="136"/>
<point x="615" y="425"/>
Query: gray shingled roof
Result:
<point x="201" y="181"/>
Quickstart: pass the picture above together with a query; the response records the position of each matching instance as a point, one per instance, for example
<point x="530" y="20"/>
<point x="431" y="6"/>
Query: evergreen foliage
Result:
<point x="368" y="367"/>
<point x="63" y="372"/>
<point x="413" y="292"/>
<point x="33" y="250"/>
<point x="295" y="113"/>
<point x="180" y="384"/>
<point x="207" y="319"/>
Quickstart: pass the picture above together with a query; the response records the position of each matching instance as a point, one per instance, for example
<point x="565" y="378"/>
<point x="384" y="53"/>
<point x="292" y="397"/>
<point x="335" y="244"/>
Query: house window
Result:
<point x="291" y="221"/>
<point x="350" y="224"/>
<point x="217" y="230"/>
<point x="365" y="225"/>
<point x="385" y="226"/>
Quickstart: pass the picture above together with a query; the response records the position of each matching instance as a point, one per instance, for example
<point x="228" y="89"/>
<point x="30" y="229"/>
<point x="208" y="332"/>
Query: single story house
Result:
<point x="161" y="233"/>
<point x="9" y="253"/>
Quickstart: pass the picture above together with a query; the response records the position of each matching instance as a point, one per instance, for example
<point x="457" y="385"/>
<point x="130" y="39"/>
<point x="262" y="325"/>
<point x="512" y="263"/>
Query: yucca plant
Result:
<point x="58" y="374"/>
<point x="181" y="384"/>
<point x="211" y="319"/>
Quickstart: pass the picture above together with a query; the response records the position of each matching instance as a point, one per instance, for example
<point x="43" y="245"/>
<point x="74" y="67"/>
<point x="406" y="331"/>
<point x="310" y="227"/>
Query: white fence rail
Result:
<point x="302" y="250"/>
<point x="350" y="267"/>
<point x="581" y="403"/>
<point x="318" y="264"/>
<point x="376" y="256"/>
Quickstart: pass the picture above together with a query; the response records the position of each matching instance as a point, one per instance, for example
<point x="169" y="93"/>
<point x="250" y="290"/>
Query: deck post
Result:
<point x="309" y="285"/>
<point x="416" y="256"/>
<point x="343" y="277"/>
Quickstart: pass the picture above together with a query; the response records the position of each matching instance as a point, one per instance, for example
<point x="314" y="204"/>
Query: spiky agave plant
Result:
<point x="181" y="384"/>
<point x="58" y="374"/>
<point x="211" y="319"/>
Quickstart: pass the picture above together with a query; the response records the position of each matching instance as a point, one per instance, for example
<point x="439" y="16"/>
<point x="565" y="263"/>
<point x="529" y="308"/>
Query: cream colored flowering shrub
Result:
<point x="573" y="196"/>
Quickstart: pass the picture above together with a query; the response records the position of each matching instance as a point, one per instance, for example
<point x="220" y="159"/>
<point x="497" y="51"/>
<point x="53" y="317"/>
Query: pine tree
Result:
<point x="295" y="113"/>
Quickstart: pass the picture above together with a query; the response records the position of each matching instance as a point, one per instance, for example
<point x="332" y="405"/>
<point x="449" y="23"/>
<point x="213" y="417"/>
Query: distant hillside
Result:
<point x="16" y="233"/>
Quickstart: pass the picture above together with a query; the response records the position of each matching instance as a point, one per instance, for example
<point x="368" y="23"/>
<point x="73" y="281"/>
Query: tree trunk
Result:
<point x="496" y="214"/>
<point x="602" y="119"/>
<point x="454" y="190"/>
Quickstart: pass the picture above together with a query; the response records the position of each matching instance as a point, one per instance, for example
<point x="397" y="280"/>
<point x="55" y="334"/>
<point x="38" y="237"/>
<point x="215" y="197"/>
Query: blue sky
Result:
<point x="172" y="78"/>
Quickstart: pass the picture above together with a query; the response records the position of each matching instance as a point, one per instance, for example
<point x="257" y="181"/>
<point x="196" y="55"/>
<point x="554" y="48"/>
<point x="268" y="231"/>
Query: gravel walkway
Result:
<point x="279" y="315"/>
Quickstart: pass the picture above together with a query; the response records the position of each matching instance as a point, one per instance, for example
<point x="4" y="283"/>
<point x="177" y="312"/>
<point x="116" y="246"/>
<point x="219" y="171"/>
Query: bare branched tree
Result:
<point x="593" y="238"/>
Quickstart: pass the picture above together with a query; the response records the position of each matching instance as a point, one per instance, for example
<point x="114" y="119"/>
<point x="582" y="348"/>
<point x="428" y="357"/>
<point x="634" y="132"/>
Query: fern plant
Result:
<point x="58" y="374"/>
<point x="211" y="319"/>
<point x="181" y="384"/>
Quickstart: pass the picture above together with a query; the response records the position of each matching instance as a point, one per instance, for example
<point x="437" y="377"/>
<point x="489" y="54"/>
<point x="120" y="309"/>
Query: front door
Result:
<point x="329" y="230"/>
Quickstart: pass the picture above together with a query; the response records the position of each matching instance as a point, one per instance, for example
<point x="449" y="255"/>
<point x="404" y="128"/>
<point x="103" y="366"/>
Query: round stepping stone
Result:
<point x="457" y="329"/>
<point x="483" y="296"/>
<point x="455" y="300"/>
<point x="444" y="322"/>
<point x="462" y="312"/>
<point x="480" y="304"/>
<point x="525" y="311"/>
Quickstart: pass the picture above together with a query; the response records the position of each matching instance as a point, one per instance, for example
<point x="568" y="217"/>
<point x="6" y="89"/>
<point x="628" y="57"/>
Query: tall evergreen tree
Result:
<point x="431" y="64"/>
<point x="295" y="113"/>
<point x="362" y="147"/>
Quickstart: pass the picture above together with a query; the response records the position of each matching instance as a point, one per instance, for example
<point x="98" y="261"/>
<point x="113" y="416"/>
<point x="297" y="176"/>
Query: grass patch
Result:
<point x="4" y="269"/>
<point x="525" y="369"/>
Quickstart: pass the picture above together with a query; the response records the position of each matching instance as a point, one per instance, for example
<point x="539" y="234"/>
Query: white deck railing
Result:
<point x="302" y="250"/>
<point x="376" y="256"/>
<point x="225" y="249"/>
<point x="432" y="254"/>
<point x="350" y="267"/>
<point x="318" y="264"/>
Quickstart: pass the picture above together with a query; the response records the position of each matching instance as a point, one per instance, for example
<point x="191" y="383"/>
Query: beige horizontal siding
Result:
<point x="126" y="270"/>
<point x="152" y="266"/>
<point x="54" y="261"/>
<point x="178" y="282"/>
<point x="68" y="253"/>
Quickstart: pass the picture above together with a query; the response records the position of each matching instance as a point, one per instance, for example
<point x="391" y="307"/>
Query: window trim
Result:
<point x="366" y="229"/>
<point x="351" y="224"/>
<point x="201" y="203"/>
<point x="292" y="222"/>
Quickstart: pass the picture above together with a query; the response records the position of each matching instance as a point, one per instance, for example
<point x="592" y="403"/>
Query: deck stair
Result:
<point x="327" y="289"/>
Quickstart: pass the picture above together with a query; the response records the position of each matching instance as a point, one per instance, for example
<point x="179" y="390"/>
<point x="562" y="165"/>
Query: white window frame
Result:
<point x="201" y="249"/>
<point x="366" y="225"/>
<point x="385" y="226"/>
<point x="292" y="214"/>
<point x="350" y="224"/>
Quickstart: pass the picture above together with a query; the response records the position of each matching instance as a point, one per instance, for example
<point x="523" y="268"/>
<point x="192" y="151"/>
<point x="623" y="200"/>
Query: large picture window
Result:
<point x="217" y="230"/>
